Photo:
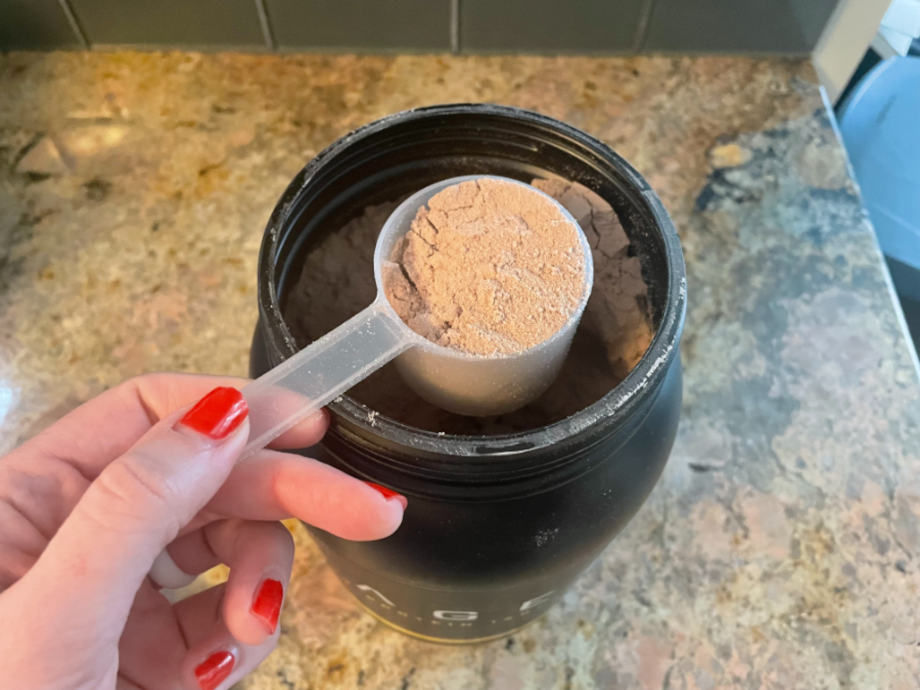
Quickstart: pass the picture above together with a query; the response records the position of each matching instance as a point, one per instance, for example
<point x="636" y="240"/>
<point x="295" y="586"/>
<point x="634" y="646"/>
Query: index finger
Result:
<point x="105" y="427"/>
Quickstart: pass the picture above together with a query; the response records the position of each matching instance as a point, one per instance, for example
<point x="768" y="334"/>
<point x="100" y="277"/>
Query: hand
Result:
<point x="135" y="480"/>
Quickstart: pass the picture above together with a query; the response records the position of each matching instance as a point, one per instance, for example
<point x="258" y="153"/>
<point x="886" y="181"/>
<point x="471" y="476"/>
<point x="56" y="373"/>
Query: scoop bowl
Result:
<point x="469" y="384"/>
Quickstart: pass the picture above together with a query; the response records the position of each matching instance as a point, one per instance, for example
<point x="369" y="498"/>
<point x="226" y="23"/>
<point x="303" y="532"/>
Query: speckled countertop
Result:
<point x="781" y="548"/>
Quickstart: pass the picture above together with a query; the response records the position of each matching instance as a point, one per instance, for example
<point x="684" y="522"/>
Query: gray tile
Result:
<point x="193" y="23"/>
<point x="812" y="15"/>
<point x="745" y="26"/>
<point x="34" y="25"/>
<point x="577" y="26"/>
<point x="361" y="25"/>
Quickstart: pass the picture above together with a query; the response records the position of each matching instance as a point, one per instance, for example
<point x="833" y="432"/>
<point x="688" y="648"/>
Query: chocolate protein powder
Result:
<point x="337" y="281"/>
<point x="487" y="267"/>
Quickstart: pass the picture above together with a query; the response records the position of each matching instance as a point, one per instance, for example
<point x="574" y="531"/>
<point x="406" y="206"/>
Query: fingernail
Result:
<point x="266" y="604"/>
<point x="214" y="670"/>
<point x="217" y="414"/>
<point x="389" y="493"/>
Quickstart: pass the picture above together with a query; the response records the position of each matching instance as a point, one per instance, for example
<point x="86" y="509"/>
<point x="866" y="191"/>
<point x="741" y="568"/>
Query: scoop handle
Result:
<point x="322" y="371"/>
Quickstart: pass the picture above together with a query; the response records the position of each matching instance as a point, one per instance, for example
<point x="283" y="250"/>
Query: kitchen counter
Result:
<point x="781" y="548"/>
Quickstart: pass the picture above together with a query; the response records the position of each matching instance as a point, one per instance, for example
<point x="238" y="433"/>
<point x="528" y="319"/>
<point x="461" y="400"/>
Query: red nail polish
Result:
<point x="214" y="670"/>
<point x="266" y="604"/>
<point x="217" y="414"/>
<point x="389" y="493"/>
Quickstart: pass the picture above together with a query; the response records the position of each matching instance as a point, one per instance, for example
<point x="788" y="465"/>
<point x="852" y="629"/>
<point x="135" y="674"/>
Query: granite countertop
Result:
<point x="781" y="548"/>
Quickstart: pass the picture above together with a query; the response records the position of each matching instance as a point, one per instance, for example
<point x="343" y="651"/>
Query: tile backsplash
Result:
<point x="361" y="25"/>
<point x="36" y="25"/>
<point x="215" y="23"/>
<point x="576" y="26"/>
<point x="736" y="26"/>
<point x="431" y="26"/>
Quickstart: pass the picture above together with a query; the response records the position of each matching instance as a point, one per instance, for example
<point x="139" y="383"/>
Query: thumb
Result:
<point x="138" y="504"/>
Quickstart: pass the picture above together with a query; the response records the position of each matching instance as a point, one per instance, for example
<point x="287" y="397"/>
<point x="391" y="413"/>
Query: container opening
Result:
<point x="326" y="275"/>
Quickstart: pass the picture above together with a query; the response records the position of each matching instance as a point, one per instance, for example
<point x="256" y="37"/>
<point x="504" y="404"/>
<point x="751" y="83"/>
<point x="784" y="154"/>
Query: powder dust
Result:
<point x="337" y="281"/>
<point x="487" y="267"/>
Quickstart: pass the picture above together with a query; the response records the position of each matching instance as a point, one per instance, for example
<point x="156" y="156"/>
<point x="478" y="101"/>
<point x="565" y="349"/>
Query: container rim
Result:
<point x="615" y="405"/>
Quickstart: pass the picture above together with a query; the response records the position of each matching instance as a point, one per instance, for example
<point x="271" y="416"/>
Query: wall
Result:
<point x="843" y="43"/>
<point x="465" y="26"/>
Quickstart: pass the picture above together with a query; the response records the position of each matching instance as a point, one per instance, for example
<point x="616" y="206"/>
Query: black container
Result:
<point x="497" y="526"/>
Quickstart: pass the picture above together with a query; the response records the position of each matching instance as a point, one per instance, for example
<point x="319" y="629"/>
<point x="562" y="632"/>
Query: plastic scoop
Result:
<point x="456" y="381"/>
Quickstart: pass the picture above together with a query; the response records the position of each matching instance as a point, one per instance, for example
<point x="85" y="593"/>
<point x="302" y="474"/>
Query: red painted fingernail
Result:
<point x="389" y="493"/>
<point x="266" y="604"/>
<point x="214" y="670"/>
<point x="217" y="414"/>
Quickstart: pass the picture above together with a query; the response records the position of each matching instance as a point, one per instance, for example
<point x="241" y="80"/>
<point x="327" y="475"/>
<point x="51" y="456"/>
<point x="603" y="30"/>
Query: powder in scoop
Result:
<point x="487" y="267"/>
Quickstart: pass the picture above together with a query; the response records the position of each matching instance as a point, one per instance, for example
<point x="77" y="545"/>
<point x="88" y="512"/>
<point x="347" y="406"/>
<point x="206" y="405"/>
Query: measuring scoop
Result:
<point x="467" y="384"/>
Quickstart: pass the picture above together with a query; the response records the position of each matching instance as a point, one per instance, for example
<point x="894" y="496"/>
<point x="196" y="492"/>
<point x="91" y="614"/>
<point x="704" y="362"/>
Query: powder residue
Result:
<point x="619" y="302"/>
<point x="337" y="281"/>
<point x="488" y="266"/>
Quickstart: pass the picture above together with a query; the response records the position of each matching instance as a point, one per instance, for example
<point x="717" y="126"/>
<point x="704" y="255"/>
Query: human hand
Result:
<point x="90" y="505"/>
